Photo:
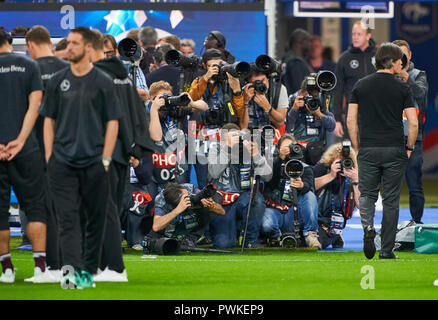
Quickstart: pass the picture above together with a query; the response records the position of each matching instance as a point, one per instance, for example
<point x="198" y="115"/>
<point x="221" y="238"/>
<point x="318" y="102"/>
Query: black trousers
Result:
<point x="79" y="192"/>
<point x="25" y="174"/>
<point x="383" y="167"/>
<point x="112" y="255"/>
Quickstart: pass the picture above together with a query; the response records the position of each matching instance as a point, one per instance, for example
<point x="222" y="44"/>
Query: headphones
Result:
<point x="4" y="33"/>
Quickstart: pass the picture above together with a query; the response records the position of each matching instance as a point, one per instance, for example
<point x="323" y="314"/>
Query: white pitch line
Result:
<point x="264" y="261"/>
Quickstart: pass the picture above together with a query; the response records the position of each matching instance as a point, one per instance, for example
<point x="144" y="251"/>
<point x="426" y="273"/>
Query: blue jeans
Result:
<point x="276" y="222"/>
<point x="413" y="180"/>
<point x="224" y="229"/>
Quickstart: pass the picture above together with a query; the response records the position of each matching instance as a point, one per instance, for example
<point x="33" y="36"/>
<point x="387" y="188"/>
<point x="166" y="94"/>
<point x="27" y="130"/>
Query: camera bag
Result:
<point x="426" y="238"/>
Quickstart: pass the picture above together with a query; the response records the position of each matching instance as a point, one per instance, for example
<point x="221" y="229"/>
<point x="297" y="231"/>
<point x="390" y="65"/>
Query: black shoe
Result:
<point x="386" y="255"/>
<point x="338" y="243"/>
<point x="369" y="247"/>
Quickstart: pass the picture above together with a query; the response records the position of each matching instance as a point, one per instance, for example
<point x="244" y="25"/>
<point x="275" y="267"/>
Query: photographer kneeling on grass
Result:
<point x="278" y="219"/>
<point x="183" y="211"/>
<point x="336" y="187"/>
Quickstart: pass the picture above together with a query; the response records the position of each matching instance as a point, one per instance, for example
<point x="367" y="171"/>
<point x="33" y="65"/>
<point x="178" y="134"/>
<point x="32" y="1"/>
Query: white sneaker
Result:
<point x="111" y="276"/>
<point x="8" y="276"/>
<point x="56" y="274"/>
<point x="42" y="277"/>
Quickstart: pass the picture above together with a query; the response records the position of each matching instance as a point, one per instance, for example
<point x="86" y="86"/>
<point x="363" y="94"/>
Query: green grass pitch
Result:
<point x="255" y="275"/>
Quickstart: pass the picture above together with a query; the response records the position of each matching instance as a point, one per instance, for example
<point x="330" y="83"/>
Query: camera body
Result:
<point x="268" y="65"/>
<point x="292" y="166"/>
<point x="347" y="162"/>
<point x="216" y="115"/>
<point x="317" y="83"/>
<point x="176" y="106"/>
<point x="178" y="59"/>
<point x="208" y="192"/>
<point x="259" y="87"/>
<point x="312" y="102"/>
<point x="236" y="69"/>
<point x="131" y="50"/>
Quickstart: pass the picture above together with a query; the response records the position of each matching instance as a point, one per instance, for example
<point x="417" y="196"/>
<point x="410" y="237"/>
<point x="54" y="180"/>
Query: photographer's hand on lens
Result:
<point x="233" y="139"/>
<point x="157" y="103"/>
<point x="404" y="75"/>
<point x="183" y="204"/>
<point x="252" y="147"/>
<point x="283" y="152"/>
<point x="335" y="168"/>
<point x="351" y="174"/>
<point x="298" y="103"/>
<point x="262" y="101"/>
<point x="248" y="92"/>
<point x="297" y="183"/>
<point x="191" y="100"/>
<point x="211" y="71"/>
<point x="316" y="113"/>
<point x="234" y="83"/>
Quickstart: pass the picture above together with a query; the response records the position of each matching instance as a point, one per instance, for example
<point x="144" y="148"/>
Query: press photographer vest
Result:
<point x="259" y="118"/>
<point x="233" y="181"/>
<point x="278" y="196"/>
<point x="164" y="157"/>
<point x="338" y="197"/>
<point x="205" y="135"/>
<point x="186" y="222"/>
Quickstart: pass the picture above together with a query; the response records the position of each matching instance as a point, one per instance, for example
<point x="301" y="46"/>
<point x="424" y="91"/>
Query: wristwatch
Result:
<point x="355" y="183"/>
<point x="238" y="93"/>
<point x="106" y="161"/>
<point x="408" y="148"/>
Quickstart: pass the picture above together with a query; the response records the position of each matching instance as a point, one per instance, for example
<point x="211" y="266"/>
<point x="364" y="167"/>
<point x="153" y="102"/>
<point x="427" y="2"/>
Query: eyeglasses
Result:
<point x="109" y="54"/>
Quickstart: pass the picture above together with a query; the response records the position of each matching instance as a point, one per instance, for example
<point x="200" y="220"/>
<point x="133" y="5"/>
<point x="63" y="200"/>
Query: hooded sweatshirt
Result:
<point x="133" y="138"/>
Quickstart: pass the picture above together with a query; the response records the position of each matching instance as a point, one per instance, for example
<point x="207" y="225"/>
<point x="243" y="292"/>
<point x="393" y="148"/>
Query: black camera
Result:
<point x="161" y="246"/>
<point x="178" y="59"/>
<point x="312" y="102"/>
<point x="259" y="86"/>
<point x="176" y="106"/>
<point x="215" y="115"/>
<point x="237" y="69"/>
<point x="268" y="65"/>
<point x="208" y="192"/>
<point x="347" y="162"/>
<point x="324" y="80"/>
<point x="292" y="167"/>
<point x="130" y="49"/>
<point x="404" y="60"/>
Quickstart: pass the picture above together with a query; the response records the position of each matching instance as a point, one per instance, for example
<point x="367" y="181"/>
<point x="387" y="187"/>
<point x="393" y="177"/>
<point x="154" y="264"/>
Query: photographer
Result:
<point x="165" y="131"/>
<point x="225" y="103"/>
<point x="278" y="218"/>
<point x="417" y="81"/>
<point x="257" y="96"/>
<point x="336" y="178"/>
<point x="163" y="71"/>
<point x="379" y="100"/>
<point x="184" y="210"/>
<point x="232" y="178"/>
<point x="309" y="119"/>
